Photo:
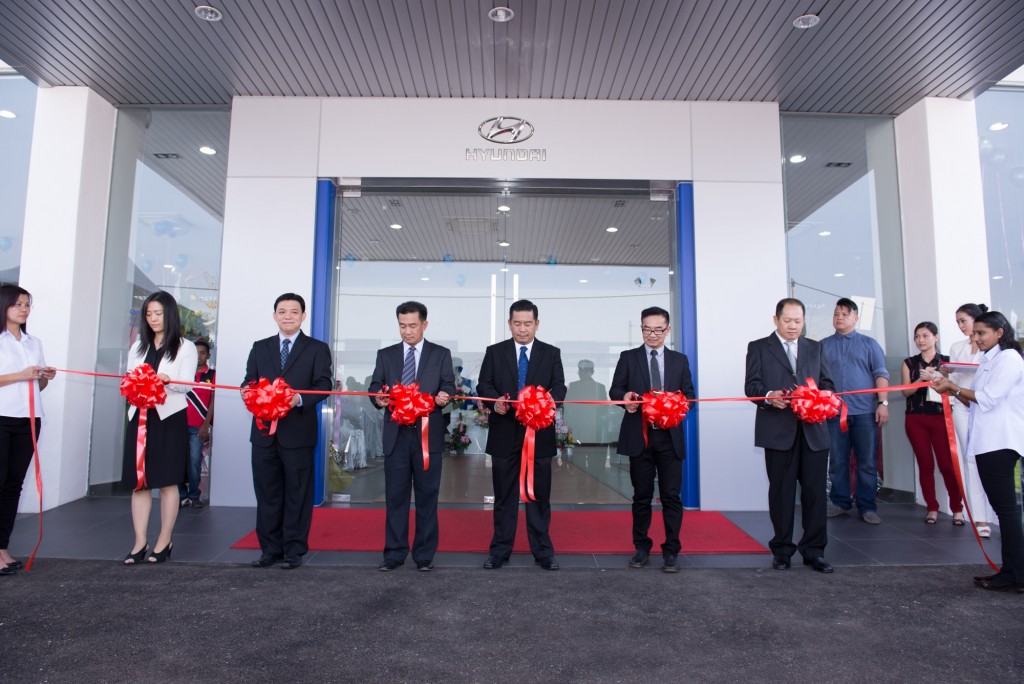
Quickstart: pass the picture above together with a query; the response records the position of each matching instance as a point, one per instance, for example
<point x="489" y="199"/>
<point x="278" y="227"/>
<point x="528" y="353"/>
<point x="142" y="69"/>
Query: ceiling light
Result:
<point x="396" y="226"/>
<point x="501" y="15"/>
<point x="806" y="21"/>
<point x="504" y="269"/>
<point x="8" y="114"/>
<point x="170" y="266"/>
<point x="999" y="126"/>
<point x="206" y="149"/>
<point x="797" y="159"/>
<point x="825" y="233"/>
<point x="503" y="243"/>
<point x="504" y="208"/>
<point x="424" y="278"/>
<point x="595" y="259"/>
<point x="208" y="13"/>
<point x="583" y="280"/>
<point x="838" y="275"/>
<point x="997" y="277"/>
<point x="671" y="272"/>
<point x="611" y="229"/>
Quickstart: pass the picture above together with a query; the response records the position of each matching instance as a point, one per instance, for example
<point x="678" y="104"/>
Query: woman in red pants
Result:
<point x="926" y="427"/>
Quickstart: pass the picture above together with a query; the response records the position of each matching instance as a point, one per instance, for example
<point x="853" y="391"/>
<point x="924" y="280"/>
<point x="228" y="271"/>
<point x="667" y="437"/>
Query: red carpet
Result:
<point x="469" y="531"/>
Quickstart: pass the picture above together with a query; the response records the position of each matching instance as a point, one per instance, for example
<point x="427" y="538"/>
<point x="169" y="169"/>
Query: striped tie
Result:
<point x="285" y="345"/>
<point x="409" y="369"/>
<point x="523" y="363"/>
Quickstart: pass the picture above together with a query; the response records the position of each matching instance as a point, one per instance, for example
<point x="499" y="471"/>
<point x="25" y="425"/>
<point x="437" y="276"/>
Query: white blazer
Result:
<point x="181" y="368"/>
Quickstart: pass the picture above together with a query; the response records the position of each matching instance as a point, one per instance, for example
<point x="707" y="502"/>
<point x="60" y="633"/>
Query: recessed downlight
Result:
<point x="8" y="114"/>
<point x="504" y="208"/>
<point x="424" y="278"/>
<point x="503" y="269"/>
<point x="999" y="126"/>
<point x="396" y="226"/>
<point x="206" y="149"/>
<point x="825" y="233"/>
<point x="583" y="280"/>
<point x="501" y="15"/>
<point x="208" y="13"/>
<point x="797" y="159"/>
<point x="503" y="243"/>
<point x="838" y="275"/>
<point x="611" y="229"/>
<point x="997" y="277"/>
<point x="806" y="21"/>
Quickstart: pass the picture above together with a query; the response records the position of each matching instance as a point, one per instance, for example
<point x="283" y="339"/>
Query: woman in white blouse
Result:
<point x="165" y="460"/>
<point x="22" y="369"/>
<point x="966" y="351"/>
<point x="995" y="436"/>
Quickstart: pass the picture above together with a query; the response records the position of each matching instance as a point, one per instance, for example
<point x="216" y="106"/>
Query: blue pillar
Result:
<point x="321" y="305"/>
<point x="687" y="280"/>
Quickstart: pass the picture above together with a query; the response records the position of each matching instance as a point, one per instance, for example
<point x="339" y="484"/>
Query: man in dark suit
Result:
<point x="508" y="367"/>
<point x="653" y="367"/>
<point x="794" y="451"/>
<point x="282" y="463"/>
<point x="412" y="360"/>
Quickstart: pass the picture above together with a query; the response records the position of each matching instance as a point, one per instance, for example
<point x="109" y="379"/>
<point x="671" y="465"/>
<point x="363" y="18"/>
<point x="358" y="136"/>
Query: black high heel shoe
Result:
<point x="136" y="558"/>
<point x="161" y="556"/>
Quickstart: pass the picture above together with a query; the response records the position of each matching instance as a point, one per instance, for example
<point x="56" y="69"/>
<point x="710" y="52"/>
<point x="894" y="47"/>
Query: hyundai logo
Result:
<point x="506" y="130"/>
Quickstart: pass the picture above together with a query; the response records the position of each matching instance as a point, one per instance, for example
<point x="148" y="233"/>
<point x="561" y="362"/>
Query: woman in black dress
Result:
<point x="21" y="362"/>
<point x="172" y="357"/>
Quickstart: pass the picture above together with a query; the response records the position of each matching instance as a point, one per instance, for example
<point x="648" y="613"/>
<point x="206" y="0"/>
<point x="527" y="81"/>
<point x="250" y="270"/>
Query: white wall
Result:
<point x="944" y="241"/>
<point x="731" y="150"/>
<point x="61" y="265"/>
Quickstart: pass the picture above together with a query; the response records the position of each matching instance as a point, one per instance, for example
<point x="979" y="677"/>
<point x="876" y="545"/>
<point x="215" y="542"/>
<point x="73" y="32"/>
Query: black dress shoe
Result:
<point x="639" y="559"/>
<point x="670" y="563"/>
<point x="977" y="580"/>
<point x="291" y="562"/>
<point x="819" y="564"/>
<point x="388" y="565"/>
<point x="1001" y="583"/>
<point x="424" y="566"/>
<point x="7" y="570"/>
<point x="548" y="563"/>
<point x="266" y="560"/>
<point x="780" y="562"/>
<point x="494" y="562"/>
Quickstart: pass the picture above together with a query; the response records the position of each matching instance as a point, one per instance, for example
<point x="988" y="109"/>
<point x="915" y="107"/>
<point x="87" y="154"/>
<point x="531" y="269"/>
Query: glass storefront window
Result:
<point x="164" y="233"/>
<point x="17" y="115"/>
<point x="589" y="284"/>
<point x="1000" y="115"/>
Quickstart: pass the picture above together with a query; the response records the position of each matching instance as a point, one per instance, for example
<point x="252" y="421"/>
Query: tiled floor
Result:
<point x="100" y="528"/>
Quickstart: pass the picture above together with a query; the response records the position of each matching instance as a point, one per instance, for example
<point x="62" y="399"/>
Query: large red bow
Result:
<point x="813" y="405"/>
<point x="408" y="404"/>
<point x="268" y="401"/>
<point x="535" y="410"/>
<point x="665" y="409"/>
<point x="143" y="390"/>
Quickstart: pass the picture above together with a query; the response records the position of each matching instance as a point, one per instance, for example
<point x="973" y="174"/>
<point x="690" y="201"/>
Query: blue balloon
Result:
<point x="163" y="227"/>
<point x="181" y="260"/>
<point x="460" y="280"/>
<point x="146" y="265"/>
<point x="6" y="243"/>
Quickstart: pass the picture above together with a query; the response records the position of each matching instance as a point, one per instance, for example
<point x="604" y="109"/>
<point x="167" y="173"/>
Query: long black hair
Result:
<point x="973" y="310"/>
<point x="930" y="327"/>
<point x="997" y="321"/>
<point x="9" y="295"/>
<point x="172" y="324"/>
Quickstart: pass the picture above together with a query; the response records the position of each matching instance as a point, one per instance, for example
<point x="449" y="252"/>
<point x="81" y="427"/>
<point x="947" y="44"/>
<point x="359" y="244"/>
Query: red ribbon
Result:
<point x="408" y="404"/>
<point x="268" y="401"/>
<point x="813" y="405"/>
<point x="143" y="390"/>
<point x="947" y="414"/>
<point x="39" y="474"/>
<point x="536" y="410"/>
<point x="664" y="410"/>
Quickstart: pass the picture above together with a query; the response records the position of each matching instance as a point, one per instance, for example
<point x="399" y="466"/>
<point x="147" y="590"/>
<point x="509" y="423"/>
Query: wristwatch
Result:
<point x="884" y="403"/>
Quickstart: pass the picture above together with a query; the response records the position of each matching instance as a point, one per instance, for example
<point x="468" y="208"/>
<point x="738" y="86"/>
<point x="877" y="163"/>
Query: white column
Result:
<point x="269" y="214"/>
<point x="740" y="244"/>
<point x="62" y="266"/>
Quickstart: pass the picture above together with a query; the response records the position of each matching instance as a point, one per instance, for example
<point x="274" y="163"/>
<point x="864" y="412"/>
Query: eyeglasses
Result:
<point x="657" y="332"/>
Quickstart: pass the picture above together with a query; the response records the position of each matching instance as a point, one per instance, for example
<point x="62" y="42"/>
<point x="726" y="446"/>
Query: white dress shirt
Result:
<point x="961" y="352"/>
<point x="997" y="416"/>
<point x="16" y="355"/>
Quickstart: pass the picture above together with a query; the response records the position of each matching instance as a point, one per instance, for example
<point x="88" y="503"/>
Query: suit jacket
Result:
<point x="499" y="375"/>
<point x="633" y="374"/>
<point x="768" y="369"/>
<point x="308" y="367"/>
<point x="183" y="367"/>
<point x="434" y="374"/>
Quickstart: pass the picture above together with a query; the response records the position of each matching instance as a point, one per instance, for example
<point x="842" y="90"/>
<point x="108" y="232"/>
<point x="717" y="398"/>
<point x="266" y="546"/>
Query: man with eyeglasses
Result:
<point x="651" y="368"/>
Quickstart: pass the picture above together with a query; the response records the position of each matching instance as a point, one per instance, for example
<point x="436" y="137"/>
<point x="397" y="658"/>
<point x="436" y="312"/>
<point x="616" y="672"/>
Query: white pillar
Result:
<point x="62" y="266"/>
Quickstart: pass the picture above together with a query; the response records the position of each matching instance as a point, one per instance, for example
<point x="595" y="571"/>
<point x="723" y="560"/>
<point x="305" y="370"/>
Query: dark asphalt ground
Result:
<point x="93" y="621"/>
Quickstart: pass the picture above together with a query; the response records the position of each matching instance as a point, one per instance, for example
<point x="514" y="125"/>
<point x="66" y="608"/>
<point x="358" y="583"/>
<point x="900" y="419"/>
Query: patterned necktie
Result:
<point x="409" y="369"/>
<point x="523" y="363"/>
<point x="791" y="353"/>
<point x="285" y="345"/>
<point x="655" y="371"/>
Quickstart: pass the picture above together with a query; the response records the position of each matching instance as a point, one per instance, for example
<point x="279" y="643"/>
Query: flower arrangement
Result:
<point x="481" y="418"/>
<point x="458" y="438"/>
<point x="563" y="433"/>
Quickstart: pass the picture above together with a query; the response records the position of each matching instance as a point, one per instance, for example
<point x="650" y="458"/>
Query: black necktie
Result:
<point x="409" y="369"/>
<point x="285" y="345"/>
<point x="655" y="371"/>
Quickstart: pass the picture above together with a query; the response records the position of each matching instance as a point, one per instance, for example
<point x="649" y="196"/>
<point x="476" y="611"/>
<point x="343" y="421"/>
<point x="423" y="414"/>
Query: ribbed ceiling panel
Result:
<point x="866" y="56"/>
